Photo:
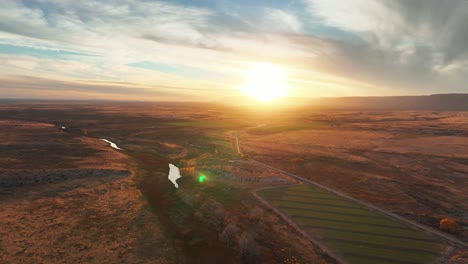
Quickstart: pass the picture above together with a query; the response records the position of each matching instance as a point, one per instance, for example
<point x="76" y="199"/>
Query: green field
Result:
<point x="208" y="124"/>
<point x="356" y="233"/>
<point x="272" y="129"/>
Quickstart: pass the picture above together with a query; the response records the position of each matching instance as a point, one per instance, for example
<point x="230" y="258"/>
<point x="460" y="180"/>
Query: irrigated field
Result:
<point x="353" y="232"/>
<point x="287" y="127"/>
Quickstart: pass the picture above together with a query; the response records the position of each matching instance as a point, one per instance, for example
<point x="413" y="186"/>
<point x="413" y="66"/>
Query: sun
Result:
<point x="265" y="82"/>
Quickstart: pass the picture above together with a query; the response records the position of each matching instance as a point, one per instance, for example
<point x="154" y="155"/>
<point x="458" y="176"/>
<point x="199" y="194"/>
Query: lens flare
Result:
<point x="202" y="178"/>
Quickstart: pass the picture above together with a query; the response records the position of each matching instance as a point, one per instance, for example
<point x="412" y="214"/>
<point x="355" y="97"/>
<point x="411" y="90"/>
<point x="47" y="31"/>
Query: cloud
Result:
<point x="410" y="45"/>
<point x="280" y="20"/>
<point x="439" y="25"/>
<point x="123" y="32"/>
<point x="88" y="90"/>
<point x="353" y="15"/>
<point x="55" y="19"/>
<point x="21" y="20"/>
<point x="106" y="27"/>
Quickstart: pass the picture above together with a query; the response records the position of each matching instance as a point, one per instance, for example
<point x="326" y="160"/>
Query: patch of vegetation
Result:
<point x="273" y="129"/>
<point x="358" y="234"/>
<point x="208" y="124"/>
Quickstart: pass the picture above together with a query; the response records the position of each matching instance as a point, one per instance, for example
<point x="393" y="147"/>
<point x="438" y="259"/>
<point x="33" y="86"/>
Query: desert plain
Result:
<point x="68" y="197"/>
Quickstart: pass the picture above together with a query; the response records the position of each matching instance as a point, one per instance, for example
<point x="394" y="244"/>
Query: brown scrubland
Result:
<point x="66" y="196"/>
<point x="68" y="199"/>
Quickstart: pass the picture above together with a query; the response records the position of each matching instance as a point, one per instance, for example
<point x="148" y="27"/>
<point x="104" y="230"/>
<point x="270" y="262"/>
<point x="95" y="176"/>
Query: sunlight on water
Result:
<point x="174" y="174"/>
<point x="112" y="144"/>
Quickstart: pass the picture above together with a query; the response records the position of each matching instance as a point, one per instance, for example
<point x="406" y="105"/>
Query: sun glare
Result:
<point x="265" y="82"/>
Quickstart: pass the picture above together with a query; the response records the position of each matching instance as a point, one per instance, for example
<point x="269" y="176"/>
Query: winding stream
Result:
<point x="112" y="144"/>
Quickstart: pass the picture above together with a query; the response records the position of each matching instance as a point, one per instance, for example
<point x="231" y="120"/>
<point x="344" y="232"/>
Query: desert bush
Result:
<point x="449" y="225"/>
<point x="188" y="197"/>
<point x="256" y="213"/>
<point x="248" y="247"/>
<point x="297" y="161"/>
<point x="219" y="217"/>
<point x="188" y="171"/>
<point x="213" y="213"/>
<point x="210" y="205"/>
<point x="229" y="234"/>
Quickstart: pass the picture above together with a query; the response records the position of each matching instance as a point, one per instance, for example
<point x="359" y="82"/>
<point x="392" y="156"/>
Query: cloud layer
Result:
<point x="329" y="48"/>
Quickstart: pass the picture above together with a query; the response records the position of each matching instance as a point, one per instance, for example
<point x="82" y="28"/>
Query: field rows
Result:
<point x="352" y="231"/>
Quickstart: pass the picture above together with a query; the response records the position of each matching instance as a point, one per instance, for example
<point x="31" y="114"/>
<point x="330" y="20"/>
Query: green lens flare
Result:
<point x="201" y="178"/>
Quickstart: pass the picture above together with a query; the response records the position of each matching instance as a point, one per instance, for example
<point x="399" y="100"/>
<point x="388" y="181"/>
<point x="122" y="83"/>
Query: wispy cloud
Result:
<point x="280" y="20"/>
<point x="111" y="90"/>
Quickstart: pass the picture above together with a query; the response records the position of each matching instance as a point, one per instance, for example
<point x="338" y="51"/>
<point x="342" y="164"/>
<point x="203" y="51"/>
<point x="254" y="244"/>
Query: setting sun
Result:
<point x="265" y="82"/>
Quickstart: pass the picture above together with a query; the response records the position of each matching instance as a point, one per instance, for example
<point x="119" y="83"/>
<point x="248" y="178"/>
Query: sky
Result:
<point x="187" y="50"/>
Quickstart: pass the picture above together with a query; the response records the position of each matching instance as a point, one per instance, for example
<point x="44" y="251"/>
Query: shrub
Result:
<point x="256" y="213"/>
<point x="213" y="213"/>
<point x="449" y="225"/>
<point x="187" y="171"/>
<point x="248" y="248"/>
<point x="229" y="234"/>
<point x="298" y="161"/>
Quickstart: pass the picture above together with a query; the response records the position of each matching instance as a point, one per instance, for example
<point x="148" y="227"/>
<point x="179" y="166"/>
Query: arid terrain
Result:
<point x="412" y="163"/>
<point x="69" y="199"/>
<point x="92" y="203"/>
<point x="67" y="196"/>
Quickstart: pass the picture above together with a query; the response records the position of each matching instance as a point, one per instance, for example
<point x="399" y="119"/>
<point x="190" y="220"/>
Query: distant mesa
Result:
<point x="174" y="174"/>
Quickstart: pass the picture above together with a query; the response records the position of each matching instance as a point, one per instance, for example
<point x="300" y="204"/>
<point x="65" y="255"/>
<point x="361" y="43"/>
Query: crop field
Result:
<point x="279" y="128"/>
<point x="353" y="232"/>
<point x="208" y="124"/>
